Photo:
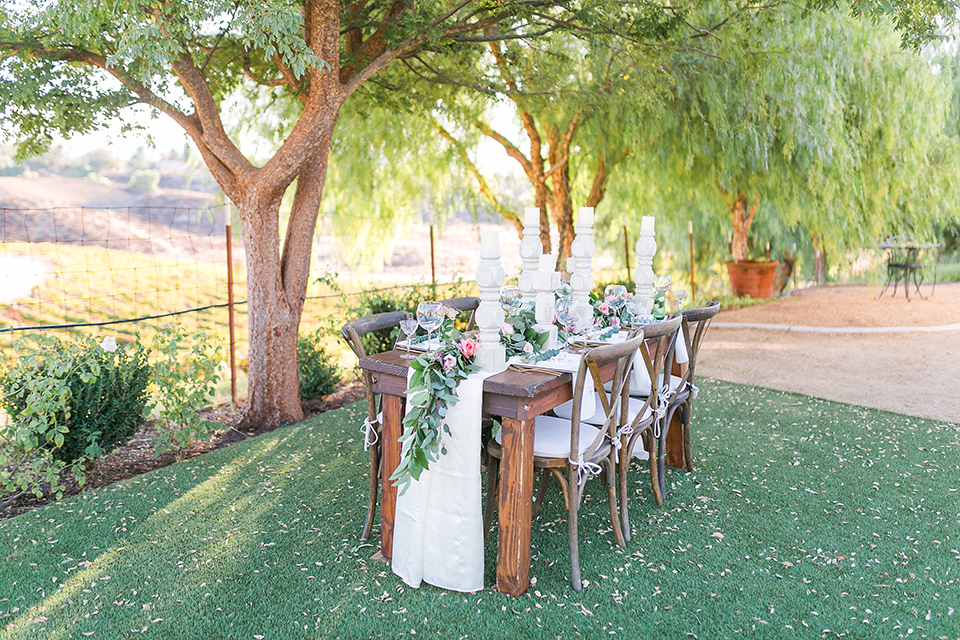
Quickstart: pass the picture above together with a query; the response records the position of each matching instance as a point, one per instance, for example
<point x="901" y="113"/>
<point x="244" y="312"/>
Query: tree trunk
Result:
<point x="277" y="284"/>
<point x="819" y="261"/>
<point x="742" y="219"/>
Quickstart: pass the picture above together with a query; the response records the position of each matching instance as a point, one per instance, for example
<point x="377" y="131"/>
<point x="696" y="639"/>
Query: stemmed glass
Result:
<point x="662" y="283"/>
<point x="568" y="313"/>
<point x="616" y="297"/>
<point x="429" y="317"/>
<point x="680" y="294"/>
<point x="511" y="299"/>
<point x="409" y="327"/>
<point x="565" y="290"/>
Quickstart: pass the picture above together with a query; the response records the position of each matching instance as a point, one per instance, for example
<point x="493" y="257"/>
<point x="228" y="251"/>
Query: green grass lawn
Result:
<point x="805" y="518"/>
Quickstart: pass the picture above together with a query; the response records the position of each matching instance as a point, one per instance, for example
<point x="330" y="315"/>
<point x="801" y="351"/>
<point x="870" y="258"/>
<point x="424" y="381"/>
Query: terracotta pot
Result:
<point x="750" y="278"/>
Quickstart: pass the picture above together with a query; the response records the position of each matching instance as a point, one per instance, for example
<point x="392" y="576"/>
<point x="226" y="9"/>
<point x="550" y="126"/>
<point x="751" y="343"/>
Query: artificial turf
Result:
<point x="804" y="518"/>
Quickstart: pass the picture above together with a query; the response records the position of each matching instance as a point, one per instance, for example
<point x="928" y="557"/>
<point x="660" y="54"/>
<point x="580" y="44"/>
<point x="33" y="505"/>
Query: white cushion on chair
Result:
<point x="551" y="437"/>
<point x="640" y="383"/>
<point x="565" y="411"/>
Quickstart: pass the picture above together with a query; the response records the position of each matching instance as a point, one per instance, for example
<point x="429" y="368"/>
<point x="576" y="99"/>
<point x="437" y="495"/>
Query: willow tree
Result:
<point x="69" y="67"/>
<point x="821" y="120"/>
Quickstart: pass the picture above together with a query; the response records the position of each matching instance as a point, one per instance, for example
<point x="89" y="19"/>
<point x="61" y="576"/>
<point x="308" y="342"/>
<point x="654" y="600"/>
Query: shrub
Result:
<point x="319" y="375"/>
<point x="185" y="376"/>
<point x="144" y="180"/>
<point x="69" y="402"/>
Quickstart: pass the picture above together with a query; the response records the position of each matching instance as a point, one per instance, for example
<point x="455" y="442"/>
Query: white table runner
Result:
<point x="438" y="528"/>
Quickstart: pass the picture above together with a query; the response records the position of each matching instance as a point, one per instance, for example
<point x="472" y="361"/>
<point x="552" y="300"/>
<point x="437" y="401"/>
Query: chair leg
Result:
<point x="572" y="533"/>
<point x="374" y="491"/>
<point x="685" y="417"/>
<point x="493" y="483"/>
<point x="623" y="466"/>
<point x="610" y="480"/>
<point x="541" y="494"/>
<point x="653" y="461"/>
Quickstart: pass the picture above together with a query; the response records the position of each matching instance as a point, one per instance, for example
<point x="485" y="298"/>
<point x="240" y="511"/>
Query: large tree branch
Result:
<point x="485" y="189"/>
<point x="508" y="146"/>
<point x="380" y="59"/>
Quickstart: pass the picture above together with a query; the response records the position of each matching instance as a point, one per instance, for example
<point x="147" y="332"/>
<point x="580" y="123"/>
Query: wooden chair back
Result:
<point x="615" y="400"/>
<point x="698" y="321"/>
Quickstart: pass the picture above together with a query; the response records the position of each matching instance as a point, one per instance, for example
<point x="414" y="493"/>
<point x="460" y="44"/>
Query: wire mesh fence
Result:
<point x="124" y="271"/>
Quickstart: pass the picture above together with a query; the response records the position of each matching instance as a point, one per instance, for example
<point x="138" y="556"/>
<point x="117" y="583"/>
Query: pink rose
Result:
<point x="452" y="313"/>
<point x="448" y="362"/>
<point x="604" y="308"/>
<point x="614" y="322"/>
<point x="629" y="296"/>
<point x="507" y="329"/>
<point x="468" y="347"/>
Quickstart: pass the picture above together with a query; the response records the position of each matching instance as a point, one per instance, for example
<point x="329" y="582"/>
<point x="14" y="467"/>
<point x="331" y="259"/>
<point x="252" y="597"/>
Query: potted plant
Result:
<point x="753" y="278"/>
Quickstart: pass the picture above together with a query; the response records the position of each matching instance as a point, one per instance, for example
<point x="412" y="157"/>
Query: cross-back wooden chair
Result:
<point x="468" y="304"/>
<point x="695" y="325"/>
<point x="573" y="450"/>
<point x="353" y="333"/>
<point x="644" y="421"/>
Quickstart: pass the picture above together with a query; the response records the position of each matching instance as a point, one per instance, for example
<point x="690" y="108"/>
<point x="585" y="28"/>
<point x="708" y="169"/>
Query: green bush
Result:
<point x="318" y="373"/>
<point x="185" y="376"/>
<point x="143" y="180"/>
<point x="69" y="402"/>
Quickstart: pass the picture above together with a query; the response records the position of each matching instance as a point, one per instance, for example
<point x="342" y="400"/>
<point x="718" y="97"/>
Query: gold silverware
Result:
<point x="516" y="367"/>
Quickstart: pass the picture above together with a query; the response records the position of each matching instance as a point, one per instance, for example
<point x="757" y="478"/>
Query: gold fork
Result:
<point x="516" y="367"/>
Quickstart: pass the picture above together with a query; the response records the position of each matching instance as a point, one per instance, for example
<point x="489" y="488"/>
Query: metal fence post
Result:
<point x="227" y="214"/>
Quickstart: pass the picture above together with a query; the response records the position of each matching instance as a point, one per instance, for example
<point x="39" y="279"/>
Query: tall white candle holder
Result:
<point x="545" y="282"/>
<point x="489" y="315"/>
<point x="643" y="276"/>
<point x="530" y="251"/>
<point x="581" y="276"/>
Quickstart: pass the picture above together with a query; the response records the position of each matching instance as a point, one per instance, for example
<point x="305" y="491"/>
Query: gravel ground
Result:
<point x="915" y="373"/>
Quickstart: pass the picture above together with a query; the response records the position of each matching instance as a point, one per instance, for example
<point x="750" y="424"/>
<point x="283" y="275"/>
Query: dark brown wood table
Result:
<point x="517" y="397"/>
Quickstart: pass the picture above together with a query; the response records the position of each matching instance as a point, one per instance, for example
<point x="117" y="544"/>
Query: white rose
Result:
<point x="528" y="348"/>
<point x="109" y="344"/>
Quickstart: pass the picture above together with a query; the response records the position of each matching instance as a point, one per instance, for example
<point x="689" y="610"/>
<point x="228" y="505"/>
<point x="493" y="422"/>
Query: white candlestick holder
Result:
<point x="492" y="355"/>
<point x="643" y="275"/>
<point x="530" y="251"/>
<point x="581" y="275"/>
<point x="546" y="283"/>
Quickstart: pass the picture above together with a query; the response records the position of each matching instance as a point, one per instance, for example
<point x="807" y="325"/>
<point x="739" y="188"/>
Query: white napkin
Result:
<point x="570" y="362"/>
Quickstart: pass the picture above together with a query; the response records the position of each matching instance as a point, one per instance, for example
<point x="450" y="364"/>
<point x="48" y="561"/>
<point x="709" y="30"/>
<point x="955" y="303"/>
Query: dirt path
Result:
<point x="915" y="373"/>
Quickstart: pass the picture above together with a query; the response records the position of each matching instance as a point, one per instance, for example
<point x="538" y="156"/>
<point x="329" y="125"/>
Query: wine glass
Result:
<point x="409" y="327"/>
<point x="616" y="297"/>
<point x="568" y="313"/>
<point x="511" y="299"/>
<point x="662" y="283"/>
<point x="565" y="290"/>
<point x="429" y="317"/>
<point x="633" y="310"/>
<point x="680" y="294"/>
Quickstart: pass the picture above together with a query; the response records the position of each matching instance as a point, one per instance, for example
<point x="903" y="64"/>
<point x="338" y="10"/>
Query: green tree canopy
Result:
<point x="821" y="121"/>
<point x="69" y="67"/>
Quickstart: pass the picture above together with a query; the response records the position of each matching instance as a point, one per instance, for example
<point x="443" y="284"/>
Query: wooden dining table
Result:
<point x="517" y="397"/>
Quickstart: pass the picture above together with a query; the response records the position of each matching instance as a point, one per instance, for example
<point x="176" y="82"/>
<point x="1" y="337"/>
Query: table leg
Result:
<point x="675" y="454"/>
<point x="515" y="503"/>
<point x="393" y="410"/>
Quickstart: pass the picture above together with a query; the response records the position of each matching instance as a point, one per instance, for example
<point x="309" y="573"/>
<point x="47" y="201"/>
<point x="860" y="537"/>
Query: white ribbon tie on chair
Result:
<point x="585" y="469"/>
<point x="369" y="431"/>
<point x="663" y="400"/>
